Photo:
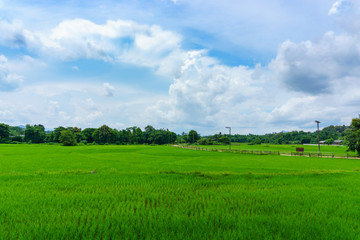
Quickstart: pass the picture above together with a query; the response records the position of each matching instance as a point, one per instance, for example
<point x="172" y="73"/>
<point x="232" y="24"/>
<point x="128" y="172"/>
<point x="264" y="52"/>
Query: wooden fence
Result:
<point x="258" y="152"/>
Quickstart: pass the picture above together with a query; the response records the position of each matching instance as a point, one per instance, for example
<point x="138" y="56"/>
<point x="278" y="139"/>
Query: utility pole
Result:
<point x="317" y="122"/>
<point x="229" y="137"/>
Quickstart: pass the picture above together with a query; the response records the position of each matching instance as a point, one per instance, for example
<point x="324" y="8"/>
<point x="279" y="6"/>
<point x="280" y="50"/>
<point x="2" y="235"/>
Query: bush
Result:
<point x="67" y="138"/>
<point x="256" y="141"/>
<point x="16" y="139"/>
<point x="203" y="141"/>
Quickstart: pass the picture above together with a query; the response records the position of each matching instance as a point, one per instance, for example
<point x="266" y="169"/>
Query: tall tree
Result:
<point x="57" y="132"/>
<point x="87" y="134"/>
<point x="193" y="136"/>
<point x="4" y="132"/>
<point x="35" y="134"/>
<point x="104" y="134"/>
<point x="353" y="136"/>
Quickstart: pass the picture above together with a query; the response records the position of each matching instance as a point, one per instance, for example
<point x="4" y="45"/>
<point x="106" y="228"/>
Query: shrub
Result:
<point x="67" y="138"/>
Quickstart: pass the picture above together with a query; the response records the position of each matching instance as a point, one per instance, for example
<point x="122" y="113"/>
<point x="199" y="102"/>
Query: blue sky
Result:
<point x="257" y="66"/>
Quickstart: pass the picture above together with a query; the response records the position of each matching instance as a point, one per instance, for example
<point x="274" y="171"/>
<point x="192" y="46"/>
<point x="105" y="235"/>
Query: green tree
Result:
<point x="87" y="134"/>
<point x="224" y="139"/>
<point x="353" y="136"/>
<point x="77" y="133"/>
<point x="135" y="135"/>
<point x="35" y="134"/>
<point x="57" y="132"/>
<point x="256" y="141"/>
<point x="203" y="141"/>
<point x="16" y="131"/>
<point x="67" y="138"/>
<point x="104" y="134"/>
<point x="4" y="132"/>
<point x="193" y="136"/>
<point x="329" y="141"/>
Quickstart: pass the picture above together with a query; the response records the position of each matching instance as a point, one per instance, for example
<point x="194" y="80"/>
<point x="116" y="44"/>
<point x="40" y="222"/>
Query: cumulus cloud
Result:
<point x="339" y="6"/>
<point x="316" y="67"/>
<point x="206" y="92"/>
<point x="12" y="34"/>
<point x="322" y="76"/>
<point x="122" y="41"/>
<point x="8" y="81"/>
<point x="85" y="111"/>
<point x="109" y="90"/>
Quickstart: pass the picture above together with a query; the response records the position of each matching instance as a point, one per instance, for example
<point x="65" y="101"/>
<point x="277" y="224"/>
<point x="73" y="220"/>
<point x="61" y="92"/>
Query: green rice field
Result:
<point x="163" y="192"/>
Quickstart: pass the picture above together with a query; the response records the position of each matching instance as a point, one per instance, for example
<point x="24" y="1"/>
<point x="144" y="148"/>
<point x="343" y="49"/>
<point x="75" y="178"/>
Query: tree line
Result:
<point x="328" y="134"/>
<point x="134" y="135"/>
<point x="73" y="135"/>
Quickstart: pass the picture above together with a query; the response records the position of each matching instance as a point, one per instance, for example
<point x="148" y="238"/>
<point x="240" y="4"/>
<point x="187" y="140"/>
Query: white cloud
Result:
<point x="85" y="111"/>
<point x="322" y="76"/>
<point x="207" y="93"/>
<point x="317" y="67"/>
<point x="123" y="41"/>
<point x="12" y="34"/>
<point x="109" y="90"/>
<point x="339" y="6"/>
<point x="8" y="81"/>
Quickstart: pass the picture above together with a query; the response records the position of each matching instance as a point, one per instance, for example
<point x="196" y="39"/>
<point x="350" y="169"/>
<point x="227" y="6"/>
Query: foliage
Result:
<point x="353" y="136"/>
<point x="224" y="139"/>
<point x="293" y="137"/>
<point x="203" y="141"/>
<point x="35" y="134"/>
<point x="193" y="137"/>
<point x="4" y="132"/>
<point x="150" y="135"/>
<point x="67" y="138"/>
<point x="103" y="134"/>
<point x="16" y="131"/>
<point x="256" y="141"/>
<point x="57" y="133"/>
<point x="16" y="139"/>
<point x="87" y="134"/>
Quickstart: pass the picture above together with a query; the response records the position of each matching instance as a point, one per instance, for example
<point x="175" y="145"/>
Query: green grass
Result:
<point x="338" y="150"/>
<point x="144" y="192"/>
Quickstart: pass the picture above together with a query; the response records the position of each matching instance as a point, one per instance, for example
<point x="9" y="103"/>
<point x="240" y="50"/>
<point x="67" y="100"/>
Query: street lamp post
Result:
<point x="229" y="137"/>
<point x="317" y="122"/>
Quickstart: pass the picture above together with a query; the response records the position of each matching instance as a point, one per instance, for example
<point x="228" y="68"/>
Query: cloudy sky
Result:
<point x="258" y="66"/>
